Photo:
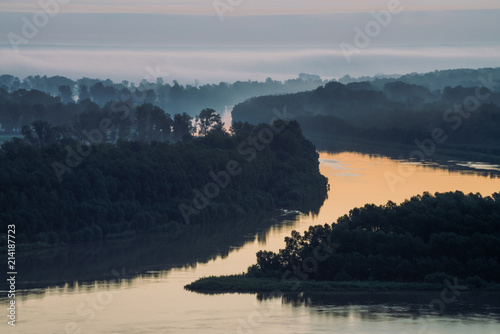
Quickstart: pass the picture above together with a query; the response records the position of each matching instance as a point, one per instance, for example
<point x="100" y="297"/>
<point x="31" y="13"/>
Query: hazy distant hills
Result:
<point x="389" y="108"/>
<point x="461" y="105"/>
<point x="437" y="79"/>
<point x="388" y="98"/>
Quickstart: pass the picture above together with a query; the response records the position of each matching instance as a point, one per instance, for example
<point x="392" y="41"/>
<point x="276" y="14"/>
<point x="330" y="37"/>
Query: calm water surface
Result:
<point x="141" y="290"/>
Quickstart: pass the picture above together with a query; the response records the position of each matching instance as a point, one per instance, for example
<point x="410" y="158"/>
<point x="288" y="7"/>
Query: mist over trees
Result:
<point x="171" y="97"/>
<point x="397" y="104"/>
<point x="409" y="104"/>
<point x="397" y="113"/>
<point x="43" y="119"/>
<point x="436" y="80"/>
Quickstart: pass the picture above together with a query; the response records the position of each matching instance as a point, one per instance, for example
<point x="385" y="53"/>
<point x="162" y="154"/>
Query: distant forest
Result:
<point x="381" y="111"/>
<point x="427" y="238"/>
<point x="436" y="80"/>
<point x="390" y="112"/>
<point x="53" y="99"/>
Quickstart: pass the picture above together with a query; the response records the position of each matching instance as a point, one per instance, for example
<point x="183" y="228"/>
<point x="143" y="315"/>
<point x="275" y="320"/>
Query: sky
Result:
<point x="243" y="7"/>
<point x="229" y="40"/>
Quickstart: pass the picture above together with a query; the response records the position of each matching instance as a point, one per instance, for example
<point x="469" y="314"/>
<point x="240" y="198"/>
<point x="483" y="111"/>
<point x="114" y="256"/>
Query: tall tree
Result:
<point x="102" y="94"/>
<point x="182" y="126"/>
<point x="208" y="120"/>
<point x="152" y="123"/>
<point x="66" y="94"/>
<point x="40" y="133"/>
<point x="84" y="93"/>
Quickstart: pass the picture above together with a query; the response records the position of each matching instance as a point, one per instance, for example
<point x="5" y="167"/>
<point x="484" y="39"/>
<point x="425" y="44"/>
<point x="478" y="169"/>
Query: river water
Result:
<point x="140" y="281"/>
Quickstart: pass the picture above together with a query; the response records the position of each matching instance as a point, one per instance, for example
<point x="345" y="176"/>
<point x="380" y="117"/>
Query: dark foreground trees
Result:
<point x="136" y="187"/>
<point x="425" y="239"/>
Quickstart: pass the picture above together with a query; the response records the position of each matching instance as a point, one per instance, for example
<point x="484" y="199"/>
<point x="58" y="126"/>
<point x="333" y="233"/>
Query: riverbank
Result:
<point x="243" y="284"/>
<point x="442" y="154"/>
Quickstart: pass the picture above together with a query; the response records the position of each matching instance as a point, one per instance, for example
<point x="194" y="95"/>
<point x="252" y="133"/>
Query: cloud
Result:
<point x="247" y="47"/>
<point x="158" y="30"/>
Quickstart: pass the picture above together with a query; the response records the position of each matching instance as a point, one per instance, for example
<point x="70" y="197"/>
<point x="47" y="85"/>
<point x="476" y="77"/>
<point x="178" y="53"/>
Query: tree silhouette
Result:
<point x="208" y="120"/>
<point x="182" y="126"/>
<point x="152" y="123"/>
<point x="66" y="94"/>
<point x="84" y="93"/>
<point x="40" y="133"/>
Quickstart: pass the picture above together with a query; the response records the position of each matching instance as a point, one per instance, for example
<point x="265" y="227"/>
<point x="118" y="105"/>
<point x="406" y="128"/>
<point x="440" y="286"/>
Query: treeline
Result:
<point x="36" y="114"/>
<point x="172" y="97"/>
<point x="458" y="118"/>
<point x="136" y="187"/>
<point x="429" y="133"/>
<point x="425" y="239"/>
<point x="397" y="105"/>
<point x="436" y="80"/>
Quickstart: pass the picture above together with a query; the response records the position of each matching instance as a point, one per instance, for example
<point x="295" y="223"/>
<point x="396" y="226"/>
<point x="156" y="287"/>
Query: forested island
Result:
<point x="422" y="243"/>
<point x="57" y="187"/>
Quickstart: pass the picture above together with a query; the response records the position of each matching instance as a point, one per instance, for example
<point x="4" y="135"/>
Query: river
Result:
<point x="140" y="286"/>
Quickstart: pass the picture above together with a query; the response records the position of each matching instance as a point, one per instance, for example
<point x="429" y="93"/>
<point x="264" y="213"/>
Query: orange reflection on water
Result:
<point x="357" y="179"/>
<point x="158" y="303"/>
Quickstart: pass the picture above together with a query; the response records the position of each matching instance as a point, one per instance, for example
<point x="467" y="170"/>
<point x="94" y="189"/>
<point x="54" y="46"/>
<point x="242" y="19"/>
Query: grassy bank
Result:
<point x="244" y="284"/>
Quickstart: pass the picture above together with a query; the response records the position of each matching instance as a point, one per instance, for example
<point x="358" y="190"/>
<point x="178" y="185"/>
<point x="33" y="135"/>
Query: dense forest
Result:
<point x="397" y="105"/>
<point x="459" y="119"/>
<point x="425" y="239"/>
<point x="63" y="189"/>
